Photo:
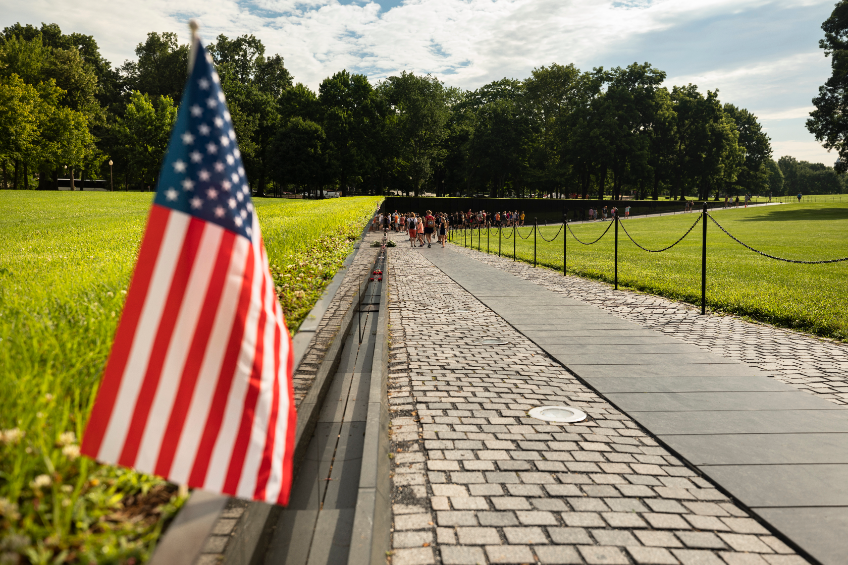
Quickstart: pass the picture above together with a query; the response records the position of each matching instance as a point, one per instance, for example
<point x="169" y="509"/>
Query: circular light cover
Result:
<point x="558" y="414"/>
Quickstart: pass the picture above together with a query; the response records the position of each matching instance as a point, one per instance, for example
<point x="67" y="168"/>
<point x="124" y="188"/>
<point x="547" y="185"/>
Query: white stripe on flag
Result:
<point x="225" y="444"/>
<point x="210" y="370"/>
<point x="154" y="302"/>
<point x="172" y="370"/>
<point x="259" y="426"/>
<point x="275" y="480"/>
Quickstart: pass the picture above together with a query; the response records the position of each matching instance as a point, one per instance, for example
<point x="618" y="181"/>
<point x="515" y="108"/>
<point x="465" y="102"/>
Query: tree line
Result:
<point x="65" y="111"/>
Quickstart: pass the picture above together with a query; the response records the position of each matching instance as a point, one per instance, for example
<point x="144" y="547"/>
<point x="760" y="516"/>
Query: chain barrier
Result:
<point x="507" y="231"/>
<point x="553" y="238"/>
<point x="528" y="235"/>
<point x="772" y="256"/>
<point x="664" y="248"/>
<point x="594" y="242"/>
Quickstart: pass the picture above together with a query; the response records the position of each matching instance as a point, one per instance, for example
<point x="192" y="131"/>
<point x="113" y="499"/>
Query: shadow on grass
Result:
<point x="780" y="214"/>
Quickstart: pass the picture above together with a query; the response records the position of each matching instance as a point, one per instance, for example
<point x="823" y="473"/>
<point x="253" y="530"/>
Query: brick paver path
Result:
<point x="477" y="481"/>
<point x="809" y="363"/>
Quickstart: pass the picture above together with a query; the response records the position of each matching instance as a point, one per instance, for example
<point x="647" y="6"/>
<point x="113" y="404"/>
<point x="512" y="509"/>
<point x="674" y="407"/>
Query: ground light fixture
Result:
<point x="557" y="414"/>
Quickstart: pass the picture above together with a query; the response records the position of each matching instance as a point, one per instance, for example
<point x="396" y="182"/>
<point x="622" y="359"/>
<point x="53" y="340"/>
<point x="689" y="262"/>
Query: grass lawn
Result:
<point x="810" y="298"/>
<point x="65" y="264"/>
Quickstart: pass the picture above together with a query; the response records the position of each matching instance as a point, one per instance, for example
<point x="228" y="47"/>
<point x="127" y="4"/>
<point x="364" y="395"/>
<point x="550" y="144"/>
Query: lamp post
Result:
<point x="111" y="185"/>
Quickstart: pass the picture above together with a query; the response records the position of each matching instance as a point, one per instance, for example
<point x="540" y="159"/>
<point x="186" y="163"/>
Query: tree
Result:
<point x="552" y="94"/>
<point x="499" y="145"/>
<point x="829" y="122"/>
<point x="420" y="106"/>
<point x="347" y="106"/>
<point x="295" y="155"/>
<point x="775" y="177"/>
<point x="21" y="121"/>
<point x="144" y="132"/>
<point x="753" y="174"/>
<point x="162" y="66"/>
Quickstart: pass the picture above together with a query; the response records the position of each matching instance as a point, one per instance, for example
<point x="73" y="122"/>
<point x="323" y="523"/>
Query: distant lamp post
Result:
<point x="111" y="186"/>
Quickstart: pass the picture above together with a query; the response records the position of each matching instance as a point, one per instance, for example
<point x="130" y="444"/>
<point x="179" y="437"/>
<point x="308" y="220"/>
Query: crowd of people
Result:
<point x="420" y="228"/>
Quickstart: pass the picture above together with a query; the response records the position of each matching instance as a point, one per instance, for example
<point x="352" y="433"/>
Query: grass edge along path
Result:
<point x="64" y="270"/>
<point x="807" y="298"/>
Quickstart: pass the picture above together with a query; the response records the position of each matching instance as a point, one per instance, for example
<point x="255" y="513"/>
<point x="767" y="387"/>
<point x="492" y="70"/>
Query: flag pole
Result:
<point x="192" y="53"/>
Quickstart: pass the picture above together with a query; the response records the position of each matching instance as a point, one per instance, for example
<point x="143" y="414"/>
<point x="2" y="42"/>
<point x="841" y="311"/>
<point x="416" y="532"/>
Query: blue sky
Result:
<point x="761" y="55"/>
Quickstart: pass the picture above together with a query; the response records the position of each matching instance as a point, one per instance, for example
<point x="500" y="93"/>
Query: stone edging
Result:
<point x="372" y="519"/>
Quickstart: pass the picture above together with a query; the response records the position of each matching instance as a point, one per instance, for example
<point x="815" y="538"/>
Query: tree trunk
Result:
<point x="26" y="176"/>
<point x="73" y="186"/>
<point x="55" y="179"/>
<point x="5" y="176"/>
<point x="15" y="183"/>
<point x="656" y="193"/>
<point x="602" y="183"/>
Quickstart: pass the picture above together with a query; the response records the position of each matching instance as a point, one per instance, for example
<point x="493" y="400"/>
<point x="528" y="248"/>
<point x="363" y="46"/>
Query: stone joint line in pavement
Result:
<point x="477" y="481"/>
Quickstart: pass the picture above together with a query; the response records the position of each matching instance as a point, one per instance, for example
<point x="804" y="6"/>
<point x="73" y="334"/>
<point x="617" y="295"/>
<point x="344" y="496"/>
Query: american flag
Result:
<point x="198" y="388"/>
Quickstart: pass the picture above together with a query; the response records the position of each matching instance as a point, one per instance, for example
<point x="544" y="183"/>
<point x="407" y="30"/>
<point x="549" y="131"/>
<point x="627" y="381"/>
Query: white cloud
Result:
<point x="810" y="151"/>
<point x="787" y="114"/>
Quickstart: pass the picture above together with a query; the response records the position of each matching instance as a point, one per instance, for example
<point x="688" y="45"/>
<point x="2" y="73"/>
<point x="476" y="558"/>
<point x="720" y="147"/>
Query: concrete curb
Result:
<point x="184" y="539"/>
<point x="372" y="520"/>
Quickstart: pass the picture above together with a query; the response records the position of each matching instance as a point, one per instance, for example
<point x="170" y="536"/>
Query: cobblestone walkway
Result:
<point x="477" y="481"/>
<point x="811" y="364"/>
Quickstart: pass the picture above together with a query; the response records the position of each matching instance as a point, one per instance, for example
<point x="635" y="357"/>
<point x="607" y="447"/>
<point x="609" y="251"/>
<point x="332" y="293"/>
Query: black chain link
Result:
<point x="664" y="248"/>
<point x="506" y="236"/>
<point x="553" y="238"/>
<point x="594" y="242"/>
<point x="528" y="235"/>
<point x="772" y="256"/>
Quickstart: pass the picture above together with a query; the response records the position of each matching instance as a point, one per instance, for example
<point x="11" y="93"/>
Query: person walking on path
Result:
<point x="429" y="227"/>
<point x="443" y="228"/>
<point x="522" y="217"/>
<point x="627" y="211"/>
<point x="411" y="225"/>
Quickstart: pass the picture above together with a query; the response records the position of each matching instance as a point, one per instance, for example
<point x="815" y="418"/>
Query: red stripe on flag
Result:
<point x="268" y="453"/>
<point x="243" y="437"/>
<point x="194" y="358"/>
<point x="136" y="297"/>
<point x="162" y="341"/>
<point x="288" y="458"/>
<point x="225" y="379"/>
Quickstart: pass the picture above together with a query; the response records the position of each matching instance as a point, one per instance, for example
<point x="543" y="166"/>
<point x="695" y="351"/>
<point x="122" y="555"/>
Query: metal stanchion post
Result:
<point x="488" y="229"/>
<point x="513" y="240"/>
<point x="615" y="219"/>
<point x="499" y="241"/>
<point x="535" y="231"/>
<point x="704" y="263"/>
<point x="564" y="241"/>
<point x="479" y="235"/>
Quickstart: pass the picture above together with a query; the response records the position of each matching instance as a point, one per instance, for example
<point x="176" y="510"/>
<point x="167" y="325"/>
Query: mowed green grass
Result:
<point x="65" y="263"/>
<point x="811" y="298"/>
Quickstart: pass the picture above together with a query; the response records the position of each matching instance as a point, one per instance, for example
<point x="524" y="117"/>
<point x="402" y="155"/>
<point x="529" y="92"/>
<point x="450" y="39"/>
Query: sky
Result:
<point x="760" y="55"/>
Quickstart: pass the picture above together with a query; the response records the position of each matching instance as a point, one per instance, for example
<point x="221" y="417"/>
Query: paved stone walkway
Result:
<point x="476" y="481"/>
<point x="812" y="364"/>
